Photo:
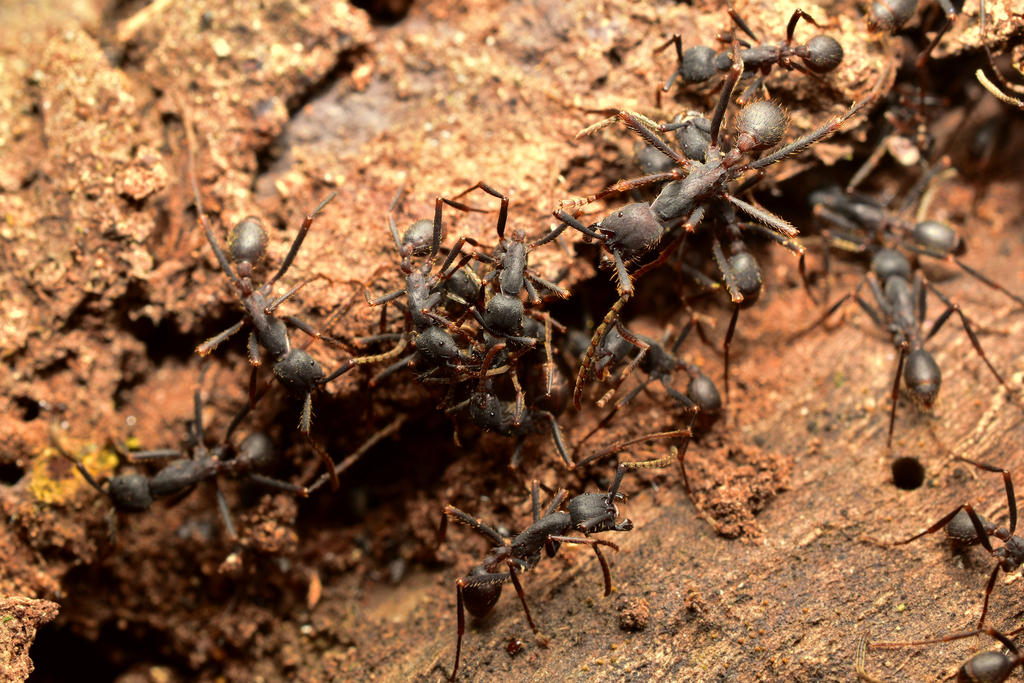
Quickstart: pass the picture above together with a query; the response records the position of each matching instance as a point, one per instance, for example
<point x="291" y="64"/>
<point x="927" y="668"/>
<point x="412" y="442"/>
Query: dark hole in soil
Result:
<point x="907" y="473"/>
<point x="29" y="408"/>
<point x="10" y="473"/>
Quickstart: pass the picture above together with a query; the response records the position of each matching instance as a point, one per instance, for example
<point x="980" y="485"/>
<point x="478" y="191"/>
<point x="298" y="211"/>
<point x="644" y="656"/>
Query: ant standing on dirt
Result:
<point x="698" y="64"/>
<point x="587" y="513"/>
<point x="985" y="667"/>
<point x="966" y="527"/>
<point x="138" y="492"/>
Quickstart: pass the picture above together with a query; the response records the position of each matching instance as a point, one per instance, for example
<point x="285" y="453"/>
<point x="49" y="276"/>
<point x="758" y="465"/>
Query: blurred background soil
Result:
<point x="108" y="284"/>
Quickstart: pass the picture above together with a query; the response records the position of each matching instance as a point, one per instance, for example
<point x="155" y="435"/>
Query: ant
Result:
<point x="966" y="527"/>
<point x="137" y="492"/>
<point x="698" y="64"/>
<point x="297" y="371"/>
<point x="587" y="513"/>
<point x="901" y="311"/>
<point x="984" y="667"/>
<point x="862" y="222"/>
<point x="635" y="229"/>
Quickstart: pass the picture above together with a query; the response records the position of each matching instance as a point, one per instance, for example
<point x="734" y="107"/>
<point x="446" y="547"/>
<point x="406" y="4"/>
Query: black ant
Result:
<point x="297" y="371"/>
<point x="698" y="64"/>
<point x="966" y="527"/>
<point x="901" y="311"/>
<point x="984" y="667"/>
<point x="137" y="492"/>
<point x="587" y="513"/>
<point x="862" y="223"/>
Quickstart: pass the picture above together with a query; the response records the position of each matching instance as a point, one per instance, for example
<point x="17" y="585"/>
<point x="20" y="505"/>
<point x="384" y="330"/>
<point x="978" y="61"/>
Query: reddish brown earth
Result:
<point x="108" y="284"/>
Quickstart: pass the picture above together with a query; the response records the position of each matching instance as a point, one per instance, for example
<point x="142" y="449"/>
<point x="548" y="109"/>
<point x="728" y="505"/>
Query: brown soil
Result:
<point x="108" y="284"/>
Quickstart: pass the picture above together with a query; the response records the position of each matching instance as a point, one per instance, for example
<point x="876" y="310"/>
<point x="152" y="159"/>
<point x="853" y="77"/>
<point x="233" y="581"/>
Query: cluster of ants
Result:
<point x="474" y="327"/>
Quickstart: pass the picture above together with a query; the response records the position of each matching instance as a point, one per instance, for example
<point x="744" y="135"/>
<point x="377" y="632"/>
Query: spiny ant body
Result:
<point x="587" y="513"/>
<point x="820" y="55"/>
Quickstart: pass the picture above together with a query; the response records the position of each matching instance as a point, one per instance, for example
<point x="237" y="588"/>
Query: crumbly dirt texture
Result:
<point x="771" y="570"/>
<point x="20" y="618"/>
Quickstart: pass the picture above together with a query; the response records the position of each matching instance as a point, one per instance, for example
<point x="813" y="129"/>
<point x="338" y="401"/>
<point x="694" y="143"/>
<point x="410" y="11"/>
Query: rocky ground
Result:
<point x="770" y="571"/>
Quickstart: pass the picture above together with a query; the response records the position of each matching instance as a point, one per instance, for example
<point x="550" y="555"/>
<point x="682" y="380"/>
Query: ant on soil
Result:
<point x="901" y="312"/>
<point x="587" y="513"/>
<point x="966" y="527"/>
<point x="295" y="369"/>
<point x="698" y="64"/>
<point x="862" y="224"/>
<point x="138" y="492"/>
<point x="635" y="229"/>
<point x="985" y="667"/>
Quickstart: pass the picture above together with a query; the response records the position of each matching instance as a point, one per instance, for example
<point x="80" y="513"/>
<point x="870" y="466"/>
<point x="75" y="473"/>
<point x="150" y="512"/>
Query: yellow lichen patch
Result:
<point x="55" y="480"/>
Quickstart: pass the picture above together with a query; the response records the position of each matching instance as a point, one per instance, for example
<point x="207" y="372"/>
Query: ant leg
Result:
<point x="366" y="360"/>
<point x="729" y="83"/>
<point x="678" y="41"/>
<point x="1011" y="498"/>
<point x="988" y="593"/>
<point x="896" y="390"/>
<point x="723" y="265"/>
<point x="460" y="608"/>
<point x="950" y="309"/>
<point x="297" y="243"/>
<point x="797" y="16"/>
<point x="595" y="544"/>
<point x="276" y="303"/>
<point x="391" y="369"/>
<point x="350" y="460"/>
<point x="519" y="591"/>
<point x="502" y="212"/>
<point x="535" y="499"/>
<point x="588" y="357"/>
<point x="556" y="434"/>
<point x="380" y="301"/>
<point x="210" y="344"/>
<point x="160" y="454"/>
<point x="766" y="217"/>
<point x="279" y="485"/>
<point x="728" y="342"/>
<point x="474" y="524"/>
<point x="225" y="512"/>
<point x="620" y="445"/>
<point x="638" y="343"/>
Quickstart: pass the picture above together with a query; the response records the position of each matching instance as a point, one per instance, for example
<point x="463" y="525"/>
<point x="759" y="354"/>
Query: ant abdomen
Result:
<point x="698" y="64"/>
<point x="824" y="54"/>
<point x="760" y="125"/>
<point x="986" y="667"/>
<point x="890" y="15"/>
<point x="704" y="393"/>
<point x="247" y="243"/>
<point x="938" y="236"/>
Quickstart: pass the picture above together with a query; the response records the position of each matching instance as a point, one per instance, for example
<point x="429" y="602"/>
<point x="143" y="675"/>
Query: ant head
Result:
<point x="922" y="377"/>
<point x="247" y="244"/>
<point x="940" y="237"/>
<point x="130" y="492"/>
<point x="419" y="237"/>
<point x="698" y="64"/>
<point x="704" y="393"/>
<point x="890" y="15"/>
<point x="747" y="272"/>
<point x="887" y="263"/>
<point x="634" y="230"/>
<point x="299" y="373"/>
<point x="961" y="529"/>
<point x="824" y="53"/>
<point x="760" y="125"/>
<point x="437" y="345"/>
